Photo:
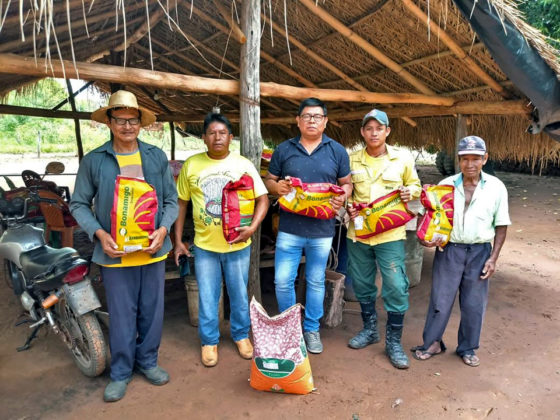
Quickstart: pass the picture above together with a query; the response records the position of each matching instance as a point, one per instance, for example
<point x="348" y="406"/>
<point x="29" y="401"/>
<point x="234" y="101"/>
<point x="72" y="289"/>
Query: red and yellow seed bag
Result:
<point x="238" y="206"/>
<point x="133" y="214"/>
<point x="385" y="213"/>
<point x="310" y="199"/>
<point x="437" y="222"/>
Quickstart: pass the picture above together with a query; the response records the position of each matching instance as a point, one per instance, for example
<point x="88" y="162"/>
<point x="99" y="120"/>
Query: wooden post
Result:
<point x="76" y="120"/>
<point x="172" y="131"/>
<point x="38" y="144"/>
<point x="460" y="132"/>
<point x="250" y="114"/>
<point x="63" y="102"/>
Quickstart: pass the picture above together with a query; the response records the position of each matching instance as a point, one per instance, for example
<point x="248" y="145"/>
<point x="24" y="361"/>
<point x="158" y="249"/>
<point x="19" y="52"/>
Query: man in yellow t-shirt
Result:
<point x="201" y="181"/>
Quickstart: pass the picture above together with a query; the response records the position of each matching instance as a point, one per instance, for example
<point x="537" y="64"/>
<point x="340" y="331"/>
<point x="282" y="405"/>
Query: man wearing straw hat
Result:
<point x="377" y="170"/>
<point x="464" y="265"/>
<point x="133" y="280"/>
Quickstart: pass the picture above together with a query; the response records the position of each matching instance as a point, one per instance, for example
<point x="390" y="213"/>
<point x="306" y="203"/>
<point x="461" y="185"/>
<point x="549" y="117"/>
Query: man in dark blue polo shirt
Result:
<point x="312" y="157"/>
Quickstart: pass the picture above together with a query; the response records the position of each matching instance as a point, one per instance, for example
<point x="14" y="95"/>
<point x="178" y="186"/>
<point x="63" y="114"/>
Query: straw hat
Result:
<point x="123" y="99"/>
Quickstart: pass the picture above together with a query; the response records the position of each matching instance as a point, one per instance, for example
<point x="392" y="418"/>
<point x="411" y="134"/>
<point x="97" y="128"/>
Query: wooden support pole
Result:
<point x="366" y="46"/>
<point x="172" y="131"/>
<point x="460" y="132"/>
<point x="250" y="114"/>
<point x="76" y="121"/>
<point x="62" y="103"/>
<point x="13" y="64"/>
<point x="267" y="57"/>
<point x="470" y="64"/>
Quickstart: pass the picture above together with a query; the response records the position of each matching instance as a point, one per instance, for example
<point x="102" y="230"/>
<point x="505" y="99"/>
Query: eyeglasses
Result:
<point x="123" y="121"/>
<point x="316" y="117"/>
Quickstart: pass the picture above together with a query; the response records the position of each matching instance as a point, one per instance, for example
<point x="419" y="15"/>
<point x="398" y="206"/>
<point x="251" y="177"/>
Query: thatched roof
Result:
<point x="194" y="38"/>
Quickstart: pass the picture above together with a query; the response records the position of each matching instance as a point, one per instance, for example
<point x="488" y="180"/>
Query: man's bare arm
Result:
<point x="490" y="264"/>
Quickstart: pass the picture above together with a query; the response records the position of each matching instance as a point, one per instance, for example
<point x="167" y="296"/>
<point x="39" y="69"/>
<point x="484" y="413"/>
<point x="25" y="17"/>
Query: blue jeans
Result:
<point x="208" y="267"/>
<point x="288" y="254"/>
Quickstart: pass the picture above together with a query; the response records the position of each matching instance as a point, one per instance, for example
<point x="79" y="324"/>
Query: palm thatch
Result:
<point x="298" y="48"/>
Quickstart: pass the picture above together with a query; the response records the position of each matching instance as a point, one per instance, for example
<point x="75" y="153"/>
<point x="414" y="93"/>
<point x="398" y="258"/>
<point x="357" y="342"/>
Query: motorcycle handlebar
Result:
<point x="9" y="214"/>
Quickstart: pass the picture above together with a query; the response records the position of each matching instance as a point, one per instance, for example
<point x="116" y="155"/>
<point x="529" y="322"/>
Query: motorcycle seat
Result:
<point x="41" y="261"/>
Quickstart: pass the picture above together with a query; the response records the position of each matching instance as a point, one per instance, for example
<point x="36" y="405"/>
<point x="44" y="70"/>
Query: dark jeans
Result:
<point x="135" y="302"/>
<point x="457" y="269"/>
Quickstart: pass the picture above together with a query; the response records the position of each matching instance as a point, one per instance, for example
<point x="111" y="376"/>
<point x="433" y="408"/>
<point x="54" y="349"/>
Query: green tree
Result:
<point x="544" y="15"/>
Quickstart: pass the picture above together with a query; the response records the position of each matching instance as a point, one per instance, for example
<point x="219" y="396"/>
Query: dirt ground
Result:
<point x="519" y="375"/>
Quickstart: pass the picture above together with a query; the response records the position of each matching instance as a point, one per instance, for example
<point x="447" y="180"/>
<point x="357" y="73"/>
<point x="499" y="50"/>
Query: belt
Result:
<point x="468" y="246"/>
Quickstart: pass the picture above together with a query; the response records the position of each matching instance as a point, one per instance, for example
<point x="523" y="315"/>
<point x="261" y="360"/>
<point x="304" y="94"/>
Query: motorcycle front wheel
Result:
<point x="85" y="340"/>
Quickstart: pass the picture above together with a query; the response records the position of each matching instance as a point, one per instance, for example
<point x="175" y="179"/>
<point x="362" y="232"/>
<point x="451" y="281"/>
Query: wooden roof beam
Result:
<point x="10" y="45"/>
<point x="506" y="83"/>
<point x="517" y="107"/>
<point x="206" y="69"/>
<point x="155" y="17"/>
<point x="57" y="8"/>
<point x="82" y="115"/>
<point x="228" y="17"/>
<point x="229" y="63"/>
<point x="366" y="46"/>
<point x="179" y="68"/>
<point x="265" y="55"/>
<point x="416" y="61"/>
<point x="357" y="22"/>
<point x="14" y="64"/>
<point x="470" y="64"/>
<point x="98" y="35"/>
<point x="322" y="61"/>
<point x="325" y="63"/>
<point x="208" y="50"/>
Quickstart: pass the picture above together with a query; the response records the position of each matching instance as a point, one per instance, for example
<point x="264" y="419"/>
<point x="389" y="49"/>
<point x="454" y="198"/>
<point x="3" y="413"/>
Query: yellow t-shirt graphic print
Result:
<point x="202" y="181"/>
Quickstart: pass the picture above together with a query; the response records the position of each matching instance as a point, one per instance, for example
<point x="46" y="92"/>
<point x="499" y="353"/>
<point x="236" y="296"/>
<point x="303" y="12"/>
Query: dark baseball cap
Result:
<point x="471" y="145"/>
<point x="376" y="114"/>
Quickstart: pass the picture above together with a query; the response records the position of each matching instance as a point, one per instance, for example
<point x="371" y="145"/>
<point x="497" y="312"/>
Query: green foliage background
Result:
<point x="544" y="15"/>
<point x="19" y="134"/>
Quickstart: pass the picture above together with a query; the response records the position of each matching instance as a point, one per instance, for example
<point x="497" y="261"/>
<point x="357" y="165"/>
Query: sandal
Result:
<point x="419" y="353"/>
<point x="471" y="360"/>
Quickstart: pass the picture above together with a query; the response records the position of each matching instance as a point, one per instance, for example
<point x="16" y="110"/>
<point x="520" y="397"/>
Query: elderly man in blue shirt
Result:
<point x="466" y="263"/>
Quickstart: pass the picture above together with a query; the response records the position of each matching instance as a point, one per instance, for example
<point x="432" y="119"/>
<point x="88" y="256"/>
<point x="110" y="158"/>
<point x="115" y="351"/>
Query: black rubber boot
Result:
<point x="370" y="334"/>
<point x="393" y="346"/>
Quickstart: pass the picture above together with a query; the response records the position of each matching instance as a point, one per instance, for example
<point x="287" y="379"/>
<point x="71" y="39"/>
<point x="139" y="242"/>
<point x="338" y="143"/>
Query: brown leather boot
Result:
<point x="245" y="348"/>
<point x="209" y="355"/>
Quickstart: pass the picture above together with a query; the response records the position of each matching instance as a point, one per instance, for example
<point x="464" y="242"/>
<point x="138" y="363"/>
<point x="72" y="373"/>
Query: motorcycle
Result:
<point x="52" y="285"/>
